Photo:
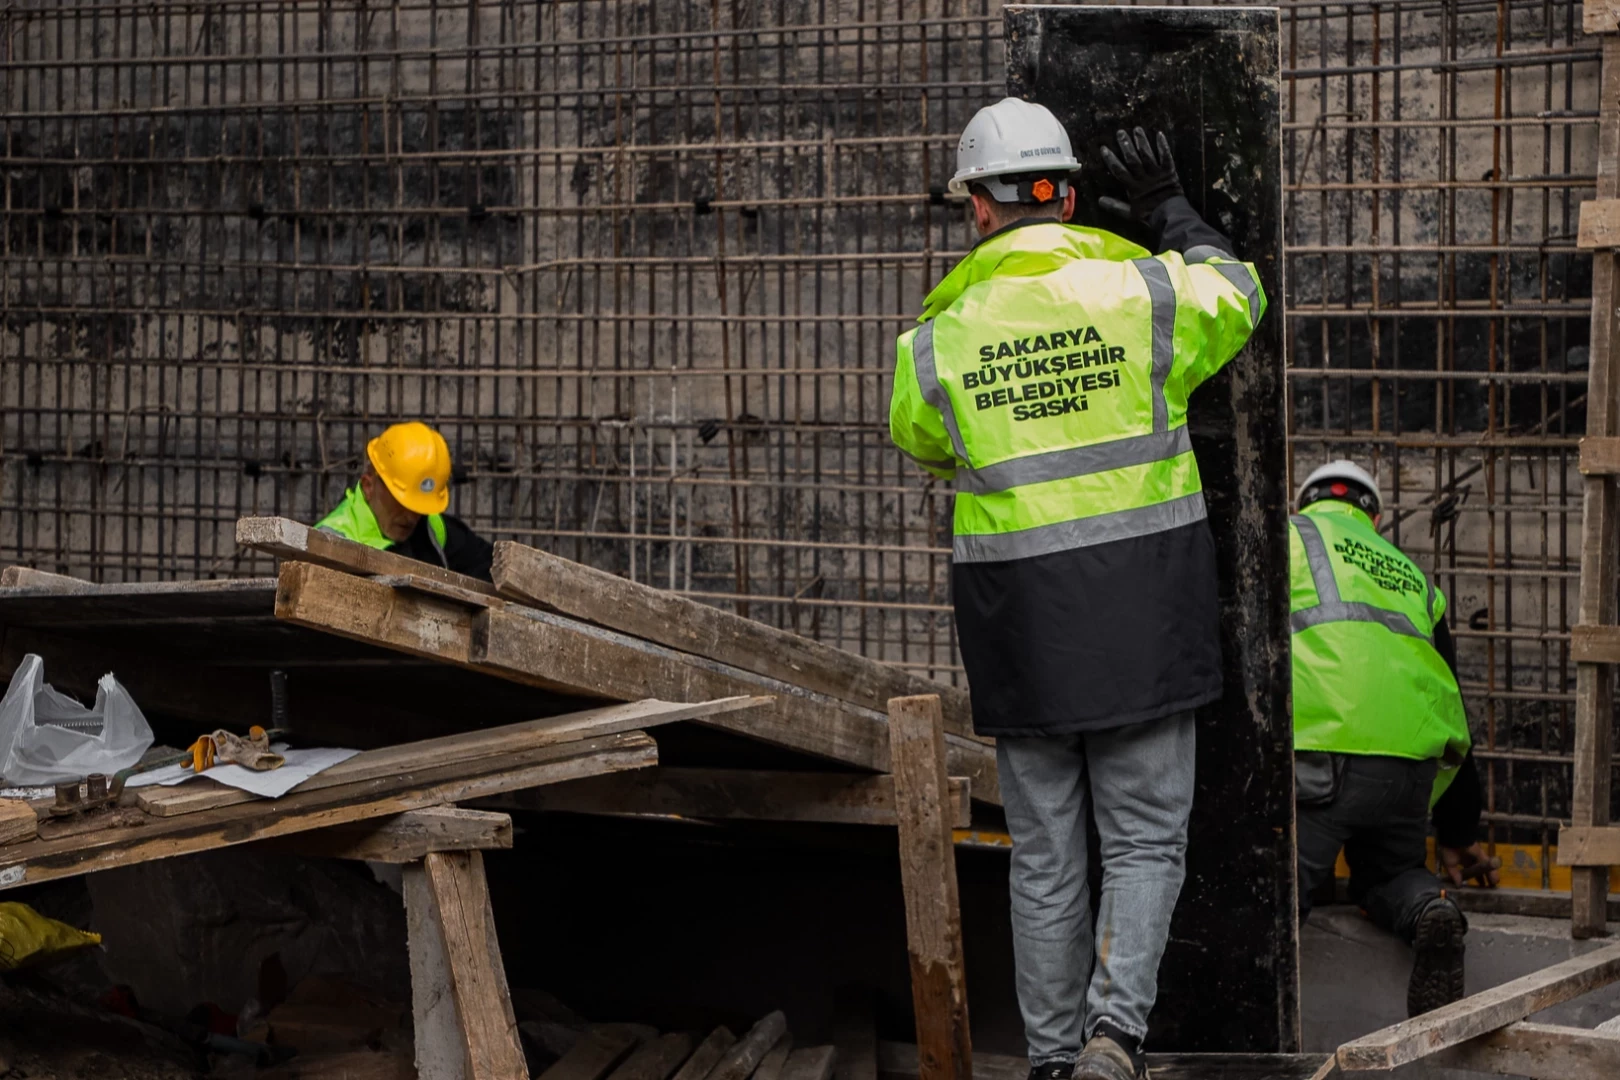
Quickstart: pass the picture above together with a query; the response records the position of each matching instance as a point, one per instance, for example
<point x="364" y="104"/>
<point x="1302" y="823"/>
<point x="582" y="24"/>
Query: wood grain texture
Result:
<point x="744" y="1056"/>
<point x="1594" y="644"/>
<point x="655" y="1059"/>
<point x="26" y="577"/>
<point x="1589" y="846"/>
<point x="707" y="1055"/>
<point x="205" y="794"/>
<point x="772" y="1064"/>
<point x="402" y="839"/>
<point x="483" y="1006"/>
<point x="295" y="541"/>
<point x="742" y="794"/>
<point x="570" y="657"/>
<point x="1538" y="1051"/>
<point x="1474" y="1016"/>
<point x="1600" y="17"/>
<point x="810" y="1063"/>
<point x="1600" y="455"/>
<point x="1600" y="535"/>
<point x="161" y="838"/>
<point x="440" y="1052"/>
<point x="593" y="1056"/>
<point x="17" y="821"/>
<point x="569" y="588"/>
<point x="928" y="881"/>
<point x="1600" y="225"/>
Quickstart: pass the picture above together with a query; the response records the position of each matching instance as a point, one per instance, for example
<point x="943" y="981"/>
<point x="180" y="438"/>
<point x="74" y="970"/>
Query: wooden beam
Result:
<point x="810" y="1063"/>
<point x="1589" y="846"/>
<point x="496" y="742"/>
<point x="1484" y="1012"/>
<point x="655" y="1059"/>
<point x="440" y="1052"/>
<point x="594" y="1056"/>
<point x="1594" y="644"/>
<point x="26" y="577"/>
<point x="1600" y="456"/>
<point x="1538" y="1051"/>
<point x="477" y="978"/>
<point x="898" y="1061"/>
<point x="928" y="880"/>
<point x="294" y="541"/>
<point x="742" y="794"/>
<point x="407" y="838"/>
<point x="1600" y="225"/>
<point x="772" y="1064"/>
<point x="1600" y="533"/>
<point x="18" y="821"/>
<point x="161" y="838"/>
<point x="707" y="1055"/>
<point x="739" y="1062"/>
<point x="570" y="657"/>
<point x="1600" y="16"/>
<point x="569" y="588"/>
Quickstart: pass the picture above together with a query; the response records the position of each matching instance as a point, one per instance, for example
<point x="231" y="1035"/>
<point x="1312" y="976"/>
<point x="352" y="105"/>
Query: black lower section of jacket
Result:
<point x="1456" y="815"/>
<point x="1093" y="638"/>
<point x="465" y="551"/>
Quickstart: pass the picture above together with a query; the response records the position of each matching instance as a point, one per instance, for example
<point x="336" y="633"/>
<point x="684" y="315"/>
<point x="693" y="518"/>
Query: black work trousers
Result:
<point x="1379" y="816"/>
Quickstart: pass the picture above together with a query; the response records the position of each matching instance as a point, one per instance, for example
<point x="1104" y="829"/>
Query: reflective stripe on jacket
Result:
<point x="1050" y="379"/>
<point x="353" y="519"/>
<point x="1367" y="676"/>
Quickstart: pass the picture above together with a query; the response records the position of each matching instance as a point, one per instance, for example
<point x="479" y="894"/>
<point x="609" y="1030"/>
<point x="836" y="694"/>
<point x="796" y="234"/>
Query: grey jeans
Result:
<point x="1138" y="781"/>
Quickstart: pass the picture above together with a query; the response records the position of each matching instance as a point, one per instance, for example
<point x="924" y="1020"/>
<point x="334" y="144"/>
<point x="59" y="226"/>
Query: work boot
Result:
<point x="1108" y="1057"/>
<point x="1437" y="971"/>
<point x="1052" y="1070"/>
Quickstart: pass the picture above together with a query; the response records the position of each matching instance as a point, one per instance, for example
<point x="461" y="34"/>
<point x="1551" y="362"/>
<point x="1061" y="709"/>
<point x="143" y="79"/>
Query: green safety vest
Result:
<point x="354" y="520"/>
<point x="1367" y="677"/>
<point x="1050" y="379"/>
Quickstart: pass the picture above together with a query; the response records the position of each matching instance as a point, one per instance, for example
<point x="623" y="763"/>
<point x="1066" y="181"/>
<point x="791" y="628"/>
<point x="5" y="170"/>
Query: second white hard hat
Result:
<point x="1341" y="472"/>
<point x="1011" y="136"/>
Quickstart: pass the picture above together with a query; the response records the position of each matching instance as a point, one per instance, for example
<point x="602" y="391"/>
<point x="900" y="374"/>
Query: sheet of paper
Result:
<point x="272" y="784"/>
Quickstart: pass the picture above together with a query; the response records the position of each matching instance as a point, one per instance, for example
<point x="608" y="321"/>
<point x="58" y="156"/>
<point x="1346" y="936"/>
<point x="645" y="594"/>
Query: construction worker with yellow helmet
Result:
<point x="399" y="504"/>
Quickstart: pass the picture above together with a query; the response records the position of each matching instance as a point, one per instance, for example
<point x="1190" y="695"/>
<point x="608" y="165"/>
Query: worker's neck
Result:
<point x="1018" y="223"/>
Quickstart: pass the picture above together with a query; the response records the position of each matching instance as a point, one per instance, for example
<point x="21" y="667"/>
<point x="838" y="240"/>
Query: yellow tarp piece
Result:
<point x="28" y="939"/>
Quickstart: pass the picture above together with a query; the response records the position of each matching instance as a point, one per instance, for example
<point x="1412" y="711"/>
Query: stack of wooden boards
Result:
<point x="550" y="623"/>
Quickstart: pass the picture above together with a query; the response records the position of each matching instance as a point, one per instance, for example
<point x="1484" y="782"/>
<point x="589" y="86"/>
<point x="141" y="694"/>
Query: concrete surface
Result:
<point x="1353" y="975"/>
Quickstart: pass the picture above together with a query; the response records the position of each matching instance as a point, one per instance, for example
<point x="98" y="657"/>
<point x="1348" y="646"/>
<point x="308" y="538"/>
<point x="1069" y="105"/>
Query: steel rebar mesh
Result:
<point x="643" y="264"/>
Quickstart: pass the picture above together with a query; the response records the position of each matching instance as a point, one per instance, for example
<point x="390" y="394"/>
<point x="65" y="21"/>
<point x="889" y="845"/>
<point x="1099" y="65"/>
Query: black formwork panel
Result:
<point x="1208" y="77"/>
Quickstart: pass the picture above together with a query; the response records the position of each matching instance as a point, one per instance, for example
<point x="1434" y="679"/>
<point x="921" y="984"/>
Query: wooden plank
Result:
<point x="810" y="1063"/>
<point x="740" y="1061"/>
<point x="483" y="1007"/>
<point x="928" y="880"/>
<point x="854" y="1034"/>
<point x="655" y="1059"/>
<point x="1589" y="846"/>
<point x="582" y="592"/>
<point x="440" y="1053"/>
<point x="746" y="794"/>
<point x="1600" y="225"/>
<point x="1600" y="536"/>
<point x="1600" y="456"/>
<point x="1473" y="1016"/>
<point x="707" y="1055"/>
<point x="403" y="839"/>
<point x="570" y="657"/>
<point x="898" y="1061"/>
<point x="1538" y="1051"/>
<point x="771" y="1065"/>
<point x="204" y="794"/>
<point x="1600" y="17"/>
<point x="593" y="1056"/>
<point x="26" y="577"/>
<point x="161" y="838"/>
<point x="17" y="821"/>
<point x="296" y="542"/>
<point x="1594" y="644"/>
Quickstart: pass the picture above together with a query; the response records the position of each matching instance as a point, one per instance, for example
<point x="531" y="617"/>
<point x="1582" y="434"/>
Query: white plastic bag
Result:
<point x="48" y="738"/>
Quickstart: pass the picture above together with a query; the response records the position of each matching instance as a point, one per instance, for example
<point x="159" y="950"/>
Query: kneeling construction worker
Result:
<point x="399" y="504"/>
<point x="1380" y="735"/>
<point x="1050" y="379"/>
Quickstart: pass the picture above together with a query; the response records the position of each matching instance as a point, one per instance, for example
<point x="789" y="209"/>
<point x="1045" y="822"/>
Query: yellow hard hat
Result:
<point x="413" y="460"/>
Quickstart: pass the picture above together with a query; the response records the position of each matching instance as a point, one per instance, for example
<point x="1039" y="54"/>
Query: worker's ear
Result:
<point x="984" y="214"/>
<point x="1068" y="203"/>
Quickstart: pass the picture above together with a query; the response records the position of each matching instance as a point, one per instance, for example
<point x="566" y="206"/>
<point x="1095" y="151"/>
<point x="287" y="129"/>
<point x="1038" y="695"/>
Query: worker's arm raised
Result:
<point x="1219" y="302"/>
<point x="916" y="426"/>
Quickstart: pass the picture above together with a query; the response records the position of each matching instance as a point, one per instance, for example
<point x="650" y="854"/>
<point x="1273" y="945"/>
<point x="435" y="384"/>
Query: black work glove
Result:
<point x="1149" y="178"/>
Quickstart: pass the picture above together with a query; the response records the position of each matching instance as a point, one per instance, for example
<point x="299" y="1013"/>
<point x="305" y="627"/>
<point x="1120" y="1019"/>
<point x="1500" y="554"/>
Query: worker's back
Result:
<point x="1368" y="678"/>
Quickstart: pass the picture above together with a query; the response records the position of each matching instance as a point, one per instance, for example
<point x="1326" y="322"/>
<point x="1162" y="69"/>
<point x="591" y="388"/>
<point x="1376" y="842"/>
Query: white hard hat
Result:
<point x="1345" y="472"/>
<point x="1012" y="136"/>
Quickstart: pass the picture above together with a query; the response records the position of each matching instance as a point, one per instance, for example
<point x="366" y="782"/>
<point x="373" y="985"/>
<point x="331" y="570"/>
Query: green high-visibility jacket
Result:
<point x="354" y="520"/>
<point x="1367" y="677"/>
<point x="1050" y="379"/>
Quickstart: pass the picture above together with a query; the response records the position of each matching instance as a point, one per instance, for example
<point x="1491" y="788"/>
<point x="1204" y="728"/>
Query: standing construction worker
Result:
<point x="1050" y="379"/>
<point x="399" y="504"/>
<point x="1380" y="734"/>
